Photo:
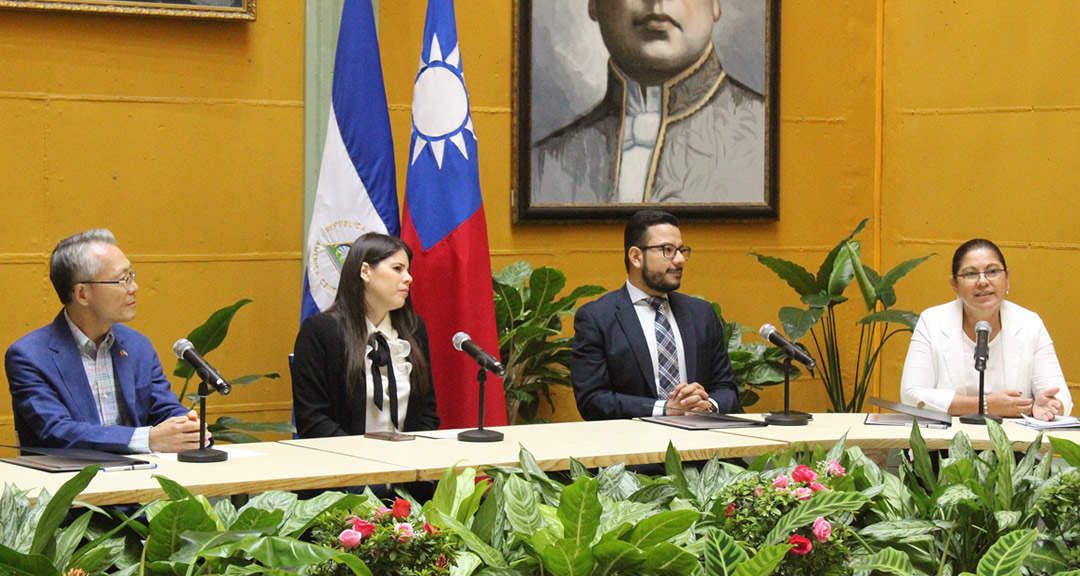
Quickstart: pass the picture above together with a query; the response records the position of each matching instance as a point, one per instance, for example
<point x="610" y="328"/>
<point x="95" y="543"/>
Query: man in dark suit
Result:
<point x="85" y="381"/>
<point x="645" y="349"/>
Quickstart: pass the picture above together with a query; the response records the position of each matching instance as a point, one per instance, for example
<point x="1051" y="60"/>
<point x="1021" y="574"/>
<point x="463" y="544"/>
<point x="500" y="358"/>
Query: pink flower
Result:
<point x="729" y="511"/>
<point x="364" y="528"/>
<point x="350" y="539"/>
<point x="780" y="481"/>
<point x="803" y="473"/>
<point x="822" y="529"/>
<point x="381" y="512"/>
<point x="833" y="468"/>
<point x="431" y="529"/>
<point x="818" y="487"/>
<point x="803" y="493"/>
<point x="401" y="509"/>
<point x="800" y="545"/>
<point x="404" y="531"/>
<point x="758" y="491"/>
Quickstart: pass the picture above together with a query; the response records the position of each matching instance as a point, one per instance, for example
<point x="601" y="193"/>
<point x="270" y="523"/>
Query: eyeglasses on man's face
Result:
<point x="127" y="281"/>
<point x="990" y="275"/>
<point x="669" y="250"/>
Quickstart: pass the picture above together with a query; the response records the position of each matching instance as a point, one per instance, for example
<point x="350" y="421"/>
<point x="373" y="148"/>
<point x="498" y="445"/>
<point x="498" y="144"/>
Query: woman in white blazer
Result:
<point x="1022" y="374"/>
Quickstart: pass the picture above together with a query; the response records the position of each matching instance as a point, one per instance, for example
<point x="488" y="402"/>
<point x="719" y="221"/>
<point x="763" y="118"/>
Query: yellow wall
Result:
<point x="981" y="133"/>
<point x="185" y="138"/>
<point x="940" y="121"/>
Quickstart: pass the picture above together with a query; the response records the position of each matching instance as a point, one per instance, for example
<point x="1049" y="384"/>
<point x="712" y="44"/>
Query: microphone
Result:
<point x="771" y="334"/>
<point x="982" y="344"/>
<point x="185" y="351"/>
<point x="463" y="342"/>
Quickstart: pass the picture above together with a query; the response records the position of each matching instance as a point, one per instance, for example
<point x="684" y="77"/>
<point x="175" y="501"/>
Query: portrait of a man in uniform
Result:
<point x="648" y="102"/>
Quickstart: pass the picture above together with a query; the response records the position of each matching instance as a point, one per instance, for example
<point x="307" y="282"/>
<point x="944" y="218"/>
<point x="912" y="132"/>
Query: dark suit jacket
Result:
<point x="322" y="405"/>
<point x="611" y="367"/>
<point x="50" y="394"/>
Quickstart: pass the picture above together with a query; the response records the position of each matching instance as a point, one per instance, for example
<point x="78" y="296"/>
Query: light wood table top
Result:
<point x="355" y="460"/>
<point x="594" y="444"/>
<point x="275" y="466"/>
<point x="827" y="429"/>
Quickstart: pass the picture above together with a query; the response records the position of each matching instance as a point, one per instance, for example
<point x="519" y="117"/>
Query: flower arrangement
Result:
<point x="756" y="505"/>
<point x="390" y="541"/>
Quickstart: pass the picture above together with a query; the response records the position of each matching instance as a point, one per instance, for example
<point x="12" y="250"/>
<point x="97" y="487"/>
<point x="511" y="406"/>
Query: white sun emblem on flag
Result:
<point x="440" y="104"/>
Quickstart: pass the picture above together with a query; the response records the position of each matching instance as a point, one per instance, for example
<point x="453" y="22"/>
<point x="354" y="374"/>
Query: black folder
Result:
<point x="72" y="459"/>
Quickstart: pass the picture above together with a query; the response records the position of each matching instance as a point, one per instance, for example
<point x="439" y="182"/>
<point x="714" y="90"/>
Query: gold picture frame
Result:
<point x="243" y="10"/>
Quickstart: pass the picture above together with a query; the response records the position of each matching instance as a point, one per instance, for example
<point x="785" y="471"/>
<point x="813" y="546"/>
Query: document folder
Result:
<point x="73" y="459"/>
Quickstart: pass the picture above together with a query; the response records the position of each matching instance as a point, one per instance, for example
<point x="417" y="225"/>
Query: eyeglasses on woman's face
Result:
<point x="991" y="274"/>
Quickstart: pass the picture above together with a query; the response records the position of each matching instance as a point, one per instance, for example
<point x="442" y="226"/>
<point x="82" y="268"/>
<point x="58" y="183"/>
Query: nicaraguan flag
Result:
<point x="445" y="227"/>
<point x="357" y="190"/>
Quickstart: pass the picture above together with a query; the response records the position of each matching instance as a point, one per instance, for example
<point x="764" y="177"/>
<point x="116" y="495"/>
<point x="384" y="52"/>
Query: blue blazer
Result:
<point x="51" y="395"/>
<point x="611" y="367"/>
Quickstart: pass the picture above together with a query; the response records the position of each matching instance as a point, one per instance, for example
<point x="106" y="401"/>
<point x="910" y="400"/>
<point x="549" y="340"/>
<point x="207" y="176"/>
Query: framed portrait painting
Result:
<point x="624" y="104"/>
<point x="213" y="9"/>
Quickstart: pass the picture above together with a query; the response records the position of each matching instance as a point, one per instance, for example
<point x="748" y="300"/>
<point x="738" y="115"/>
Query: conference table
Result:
<point x="594" y="444"/>
<point x="327" y="463"/>
<point x="827" y="429"/>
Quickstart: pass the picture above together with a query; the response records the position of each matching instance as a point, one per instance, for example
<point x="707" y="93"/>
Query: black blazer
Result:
<point x="611" y="368"/>
<point x="321" y="403"/>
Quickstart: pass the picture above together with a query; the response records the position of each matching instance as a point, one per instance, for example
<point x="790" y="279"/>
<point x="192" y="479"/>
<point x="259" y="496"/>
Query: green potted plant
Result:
<point x="528" y="315"/>
<point x="754" y="364"/>
<point x="823" y="292"/>
<point x="206" y="338"/>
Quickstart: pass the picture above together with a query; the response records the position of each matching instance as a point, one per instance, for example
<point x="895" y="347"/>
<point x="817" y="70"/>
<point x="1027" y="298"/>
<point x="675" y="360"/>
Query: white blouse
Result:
<point x="379" y="420"/>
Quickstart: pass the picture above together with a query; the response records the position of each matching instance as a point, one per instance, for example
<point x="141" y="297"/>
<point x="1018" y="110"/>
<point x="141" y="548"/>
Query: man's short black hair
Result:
<point x="638" y="228"/>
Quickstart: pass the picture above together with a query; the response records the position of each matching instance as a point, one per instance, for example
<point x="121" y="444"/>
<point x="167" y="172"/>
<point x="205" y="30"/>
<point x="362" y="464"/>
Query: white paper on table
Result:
<point x="232" y="451"/>
<point x="1057" y="422"/>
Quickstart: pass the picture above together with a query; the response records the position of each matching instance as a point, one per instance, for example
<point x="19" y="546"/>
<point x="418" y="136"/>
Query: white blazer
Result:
<point x="936" y="363"/>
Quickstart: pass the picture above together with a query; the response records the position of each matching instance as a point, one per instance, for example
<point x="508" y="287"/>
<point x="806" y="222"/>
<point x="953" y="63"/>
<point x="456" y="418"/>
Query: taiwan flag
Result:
<point x="443" y="222"/>
<point x="357" y="190"/>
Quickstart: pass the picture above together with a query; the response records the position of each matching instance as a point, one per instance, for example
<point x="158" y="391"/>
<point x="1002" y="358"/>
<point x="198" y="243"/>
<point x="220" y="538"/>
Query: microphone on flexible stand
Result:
<point x="208" y="376"/>
<point x="464" y="343"/>
<point x="770" y="334"/>
<point x="488" y="363"/>
<point x="982" y="353"/>
<point x="787" y="418"/>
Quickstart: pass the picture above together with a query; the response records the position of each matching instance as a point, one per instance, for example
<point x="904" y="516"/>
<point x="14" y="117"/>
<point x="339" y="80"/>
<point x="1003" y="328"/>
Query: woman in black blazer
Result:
<point x="363" y="365"/>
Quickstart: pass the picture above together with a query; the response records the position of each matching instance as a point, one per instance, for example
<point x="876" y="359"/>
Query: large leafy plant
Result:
<point x="32" y="542"/>
<point x="978" y="511"/>
<point x="528" y="314"/>
<point x="823" y="292"/>
<point x="182" y="535"/>
<point x="613" y="521"/>
<point x="206" y="338"/>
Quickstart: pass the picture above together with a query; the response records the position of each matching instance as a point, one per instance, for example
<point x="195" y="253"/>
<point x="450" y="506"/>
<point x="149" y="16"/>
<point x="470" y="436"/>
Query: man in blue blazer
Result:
<point x="645" y="349"/>
<point x="85" y="381"/>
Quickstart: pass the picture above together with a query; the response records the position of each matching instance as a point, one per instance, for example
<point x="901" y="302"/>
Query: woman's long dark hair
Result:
<point x="350" y="310"/>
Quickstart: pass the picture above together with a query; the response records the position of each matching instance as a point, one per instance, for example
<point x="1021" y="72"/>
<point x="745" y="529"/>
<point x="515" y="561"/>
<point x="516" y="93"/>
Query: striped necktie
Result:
<point x="667" y="355"/>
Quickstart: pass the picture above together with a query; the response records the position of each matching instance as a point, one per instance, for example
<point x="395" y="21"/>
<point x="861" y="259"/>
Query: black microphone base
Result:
<point x="788" y="418"/>
<point x="480" y="435"/>
<point x="979" y="418"/>
<point x="203" y="455"/>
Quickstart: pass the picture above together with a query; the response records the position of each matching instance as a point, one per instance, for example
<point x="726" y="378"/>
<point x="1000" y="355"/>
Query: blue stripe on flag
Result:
<point x="357" y="189"/>
<point x="359" y="100"/>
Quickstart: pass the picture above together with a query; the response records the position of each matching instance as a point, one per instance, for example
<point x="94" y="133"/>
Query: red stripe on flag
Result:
<point x="452" y="292"/>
